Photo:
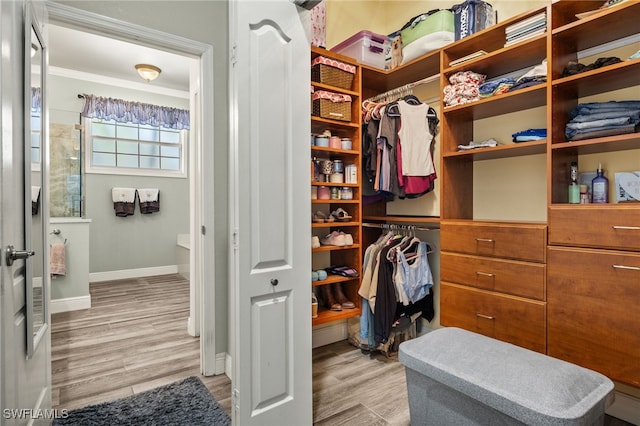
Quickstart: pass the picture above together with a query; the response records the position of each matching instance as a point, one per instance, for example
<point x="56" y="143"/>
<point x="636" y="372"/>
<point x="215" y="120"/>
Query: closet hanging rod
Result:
<point x="80" y="96"/>
<point x="404" y="88"/>
<point x="396" y="226"/>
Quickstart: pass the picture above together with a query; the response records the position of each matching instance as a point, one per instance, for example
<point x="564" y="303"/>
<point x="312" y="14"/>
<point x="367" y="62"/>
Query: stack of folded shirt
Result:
<point x="496" y="87"/>
<point x="529" y="135"/>
<point x="573" y="67"/>
<point x="535" y="75"/>
<point x="600" y="119"/>
<point x="489" y="143"/>
<point x="463" y="88"/>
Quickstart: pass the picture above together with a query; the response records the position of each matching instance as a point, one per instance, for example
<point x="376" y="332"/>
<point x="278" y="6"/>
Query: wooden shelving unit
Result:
<point x="351" y="255"/>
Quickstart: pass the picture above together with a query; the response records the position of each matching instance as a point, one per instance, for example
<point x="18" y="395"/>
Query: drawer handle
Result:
<point x="486" y="274"/>
<point x="484" y="316"/>
<point x="630" y="228"/>
<point x="484" y="240"/>
<point x="630" y="268"/>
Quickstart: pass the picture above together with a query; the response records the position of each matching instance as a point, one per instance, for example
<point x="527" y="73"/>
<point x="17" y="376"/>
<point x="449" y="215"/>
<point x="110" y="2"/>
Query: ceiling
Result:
<point x="75" y="50"/>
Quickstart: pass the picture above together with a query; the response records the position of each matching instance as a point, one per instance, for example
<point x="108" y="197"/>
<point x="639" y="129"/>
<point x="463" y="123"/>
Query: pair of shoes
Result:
<point x="319" y="275"/>
<point x="345" y="271"/>
<point x="341" y="215"/>
<point x="334" y="299"/>
<point x="315" y="241"/>
<point x="320" y="217"/>
<point x="337" y="238"/>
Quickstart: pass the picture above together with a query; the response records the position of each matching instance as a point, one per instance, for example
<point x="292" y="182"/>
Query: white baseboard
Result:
<point x="625" y="407"/>
<point x="221" y="360"/>
<point x="123" y="274"/>
<point x="228" y="369"/>
<point x="329" y="333"/>
<point x="70" y="304"/>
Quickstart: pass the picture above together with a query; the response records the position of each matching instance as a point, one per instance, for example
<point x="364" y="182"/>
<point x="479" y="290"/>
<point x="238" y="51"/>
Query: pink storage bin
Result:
<point x="366" y="47"/>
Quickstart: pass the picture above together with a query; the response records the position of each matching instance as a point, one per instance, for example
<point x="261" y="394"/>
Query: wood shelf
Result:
<point x="325" y="256"/>
<point x="335" y="248"/>
<point x="502" y="151"/>
<point x="594" y="146"/>
<point x="530" y="97"/>
<point x="332" y="279"/>
<point x="326" y="316"/>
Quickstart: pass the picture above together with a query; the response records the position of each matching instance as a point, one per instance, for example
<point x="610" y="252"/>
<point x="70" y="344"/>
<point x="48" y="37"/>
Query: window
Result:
<point x="140" y="149"/>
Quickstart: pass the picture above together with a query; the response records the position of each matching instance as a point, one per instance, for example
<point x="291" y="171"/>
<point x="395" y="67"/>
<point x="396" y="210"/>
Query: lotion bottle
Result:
<point x="600" y="187"/>
<point x="574" y="188"/>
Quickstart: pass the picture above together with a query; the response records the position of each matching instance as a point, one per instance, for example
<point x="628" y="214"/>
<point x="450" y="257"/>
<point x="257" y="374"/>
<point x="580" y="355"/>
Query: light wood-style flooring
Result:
<point x="134" y="338"/>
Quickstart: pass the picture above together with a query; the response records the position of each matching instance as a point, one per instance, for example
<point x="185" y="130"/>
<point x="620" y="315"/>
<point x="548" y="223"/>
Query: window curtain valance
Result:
<point x="134" y="112"/>
<point x="36" y="99"/>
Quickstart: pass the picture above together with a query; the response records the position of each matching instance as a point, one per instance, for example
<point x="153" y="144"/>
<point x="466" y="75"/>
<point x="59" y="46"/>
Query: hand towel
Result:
<point x="35" y="200"/>
<point x="57" y="260"/>
<point x="149" y="200"/>
<point x="123" y="201"/>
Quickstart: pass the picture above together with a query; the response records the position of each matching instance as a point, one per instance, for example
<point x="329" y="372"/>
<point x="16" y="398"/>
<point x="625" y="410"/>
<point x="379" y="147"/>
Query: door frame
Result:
<point x="202" y="297"/>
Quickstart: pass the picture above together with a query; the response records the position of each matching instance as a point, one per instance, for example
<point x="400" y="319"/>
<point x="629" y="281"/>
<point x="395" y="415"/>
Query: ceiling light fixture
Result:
<point x="148" y="72"/>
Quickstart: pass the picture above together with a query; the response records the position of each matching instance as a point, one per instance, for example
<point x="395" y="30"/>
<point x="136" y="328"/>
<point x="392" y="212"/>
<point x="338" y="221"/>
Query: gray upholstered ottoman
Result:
<point x="456" y="377"/>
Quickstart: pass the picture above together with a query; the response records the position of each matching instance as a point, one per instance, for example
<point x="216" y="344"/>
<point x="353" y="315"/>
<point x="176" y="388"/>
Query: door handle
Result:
<point x="12" y="254"/>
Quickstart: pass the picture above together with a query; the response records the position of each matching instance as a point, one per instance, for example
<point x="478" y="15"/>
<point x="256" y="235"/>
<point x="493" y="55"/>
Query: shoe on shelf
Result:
<point x="319" y="217"/>
<point x="334" y="239"/>
<point x="328" y="299"/>
<point x="345" y="271"/>
<point x="341" y="215"/>
<point x="315" y="241"/>
<point x="322" y="274"/>
<point x="348" y="239"/>
<point x="341" y="298"/>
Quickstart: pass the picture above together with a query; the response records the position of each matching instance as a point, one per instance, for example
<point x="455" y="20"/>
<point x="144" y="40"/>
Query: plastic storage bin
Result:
<point x="366" y="47"/>
<point x="457" y="377"/>
<point x="471" y="17"/>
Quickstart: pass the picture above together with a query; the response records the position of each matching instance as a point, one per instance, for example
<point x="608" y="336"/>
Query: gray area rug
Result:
<point x="186" y="402"/>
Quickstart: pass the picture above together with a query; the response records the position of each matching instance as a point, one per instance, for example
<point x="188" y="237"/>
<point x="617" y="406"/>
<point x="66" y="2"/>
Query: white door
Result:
<point x="270" y="152"/>
<point x="25" y="349"/>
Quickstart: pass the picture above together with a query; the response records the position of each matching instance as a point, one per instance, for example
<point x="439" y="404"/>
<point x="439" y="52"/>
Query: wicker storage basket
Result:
<point x="331" y="105"/>
<point x="332" y="72"/>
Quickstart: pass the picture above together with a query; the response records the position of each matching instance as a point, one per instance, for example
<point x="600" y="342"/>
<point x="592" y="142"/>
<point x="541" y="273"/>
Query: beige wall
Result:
<point x="345" y="18"/>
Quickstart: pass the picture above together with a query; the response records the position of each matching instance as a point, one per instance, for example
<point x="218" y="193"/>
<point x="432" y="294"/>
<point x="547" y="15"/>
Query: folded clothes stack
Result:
<point x="601" y="119"/>
<point x="529" y="135"/>
<point x="463" y="88"/>
<point x="496" y="87"/>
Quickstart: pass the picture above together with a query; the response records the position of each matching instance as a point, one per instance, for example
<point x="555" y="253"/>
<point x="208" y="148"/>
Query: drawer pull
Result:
<point x="631" y="268"/>
<point x="486" y="274"/>
<point x="631" y="228"/>
<point x="484" y="240"/>
<point x="478" y="314"/>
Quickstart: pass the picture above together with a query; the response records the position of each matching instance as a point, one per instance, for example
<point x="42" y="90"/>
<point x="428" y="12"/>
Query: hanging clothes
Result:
<point x="398" y="148"/>
<point x="396" y="284"/>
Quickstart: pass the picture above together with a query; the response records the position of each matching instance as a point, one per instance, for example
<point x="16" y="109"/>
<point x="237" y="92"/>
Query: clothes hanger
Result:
<point x="412" y="100"/>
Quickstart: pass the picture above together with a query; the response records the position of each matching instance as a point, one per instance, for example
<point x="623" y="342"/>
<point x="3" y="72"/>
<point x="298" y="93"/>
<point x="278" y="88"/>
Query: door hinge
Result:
<point x="234" y="238"/>
<point x="235" y="402"/>
<point x="203" y="230"/>
<point x="233" y="54"/>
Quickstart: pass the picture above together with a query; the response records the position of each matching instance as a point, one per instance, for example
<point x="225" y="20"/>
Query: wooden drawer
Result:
<point x="507" y="318"/>
<point x="515" y="277"/>
<point x="616" y="227"/>
<point x="507" y="240"/>
<point x="593" y="298"/>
